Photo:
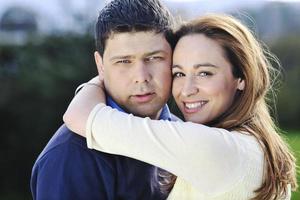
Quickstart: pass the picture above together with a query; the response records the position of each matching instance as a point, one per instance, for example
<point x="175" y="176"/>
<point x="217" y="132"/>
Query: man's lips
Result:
<point x="143" y="98"/>
<point x="192" y="107"/>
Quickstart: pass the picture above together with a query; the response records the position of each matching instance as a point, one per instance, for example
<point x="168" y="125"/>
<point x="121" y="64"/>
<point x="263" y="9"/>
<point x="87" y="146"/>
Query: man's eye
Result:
<point x="177" y="75"/>
<point x="123" y="62"/>
<point x="153" y="58"/>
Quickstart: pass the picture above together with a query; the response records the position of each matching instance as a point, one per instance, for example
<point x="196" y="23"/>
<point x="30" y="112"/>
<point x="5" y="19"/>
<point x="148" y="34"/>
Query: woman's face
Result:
<point x="203" y="84"/>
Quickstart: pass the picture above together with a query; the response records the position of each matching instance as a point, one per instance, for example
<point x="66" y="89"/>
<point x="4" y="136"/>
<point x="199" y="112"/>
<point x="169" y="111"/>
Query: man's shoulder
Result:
<point x="62" y="139"/>
<point x="72" y="170"/>
<point x="68" y="146"/>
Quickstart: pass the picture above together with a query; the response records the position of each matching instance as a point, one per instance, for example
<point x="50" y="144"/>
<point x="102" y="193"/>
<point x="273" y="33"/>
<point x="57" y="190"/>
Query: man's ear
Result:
<point x="241" y="84"/>
<point x="99" y="62"/>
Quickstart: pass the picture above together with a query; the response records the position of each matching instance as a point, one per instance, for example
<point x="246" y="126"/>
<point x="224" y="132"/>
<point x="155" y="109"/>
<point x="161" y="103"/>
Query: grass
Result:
<point x="293" y="138"/>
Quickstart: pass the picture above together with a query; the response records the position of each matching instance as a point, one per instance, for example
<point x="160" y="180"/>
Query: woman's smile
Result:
<point x="193" y="107"/>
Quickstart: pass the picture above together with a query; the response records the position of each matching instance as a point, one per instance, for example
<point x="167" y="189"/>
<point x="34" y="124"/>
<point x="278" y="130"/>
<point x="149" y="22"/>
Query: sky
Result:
<point x="262" y="0"/>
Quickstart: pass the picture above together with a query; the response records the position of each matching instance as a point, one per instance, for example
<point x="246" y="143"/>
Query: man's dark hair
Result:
<point x="121" y="16"/>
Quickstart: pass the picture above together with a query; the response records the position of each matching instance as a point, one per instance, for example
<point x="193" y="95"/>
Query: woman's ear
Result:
<point x="241" y="84"/>
<point x="99" y="62"/>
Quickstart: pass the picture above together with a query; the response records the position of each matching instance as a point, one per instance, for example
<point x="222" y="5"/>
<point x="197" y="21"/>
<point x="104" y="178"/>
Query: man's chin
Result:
<point x="151" y="112"/>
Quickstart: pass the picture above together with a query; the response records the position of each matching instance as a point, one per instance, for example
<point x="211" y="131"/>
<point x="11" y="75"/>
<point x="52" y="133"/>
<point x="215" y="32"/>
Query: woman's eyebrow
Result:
<point x="196" y="66"/>
<point x="176" y="66"/>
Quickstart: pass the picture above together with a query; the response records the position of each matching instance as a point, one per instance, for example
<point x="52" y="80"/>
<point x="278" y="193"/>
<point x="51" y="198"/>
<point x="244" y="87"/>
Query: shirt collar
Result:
<point x="165" y="113"/>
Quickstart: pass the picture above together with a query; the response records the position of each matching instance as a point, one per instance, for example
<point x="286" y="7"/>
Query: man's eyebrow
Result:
<point x="130" y="56"/>
<point x="120" y="57"/>
<point x="196" y="66"/>
<point x="154" y="52"/>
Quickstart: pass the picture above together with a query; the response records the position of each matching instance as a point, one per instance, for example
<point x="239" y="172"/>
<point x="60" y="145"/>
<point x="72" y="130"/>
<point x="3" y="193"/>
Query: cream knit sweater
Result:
<point x="210" y="163"/>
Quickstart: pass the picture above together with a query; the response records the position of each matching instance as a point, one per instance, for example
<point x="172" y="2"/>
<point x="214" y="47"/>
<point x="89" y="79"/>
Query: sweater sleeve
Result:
<point x="211" y="159"/>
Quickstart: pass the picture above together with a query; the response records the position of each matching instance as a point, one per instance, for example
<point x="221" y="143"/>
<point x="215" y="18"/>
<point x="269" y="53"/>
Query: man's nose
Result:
<point x="142" y="73"/>
<point x="189" y="87"/>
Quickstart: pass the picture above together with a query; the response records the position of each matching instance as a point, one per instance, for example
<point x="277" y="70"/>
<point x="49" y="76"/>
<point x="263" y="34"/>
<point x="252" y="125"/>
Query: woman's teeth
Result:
<point x="195" y="105"/>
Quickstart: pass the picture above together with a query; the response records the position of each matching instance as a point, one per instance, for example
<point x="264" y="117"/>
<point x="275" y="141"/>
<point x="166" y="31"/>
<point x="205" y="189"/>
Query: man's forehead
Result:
<point x="151" y="34"/>
<point x="137" y="42"/>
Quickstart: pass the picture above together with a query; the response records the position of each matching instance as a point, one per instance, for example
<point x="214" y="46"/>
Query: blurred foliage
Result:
<point x="37" y="83"/>
<point x="287" y="50"/>
<point x="39" y="79"/>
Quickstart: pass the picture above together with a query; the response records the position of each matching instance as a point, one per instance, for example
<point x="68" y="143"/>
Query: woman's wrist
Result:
<point x="88" y="84"/>
<point x="97" y="81"/>
<point x="88" y="95"/>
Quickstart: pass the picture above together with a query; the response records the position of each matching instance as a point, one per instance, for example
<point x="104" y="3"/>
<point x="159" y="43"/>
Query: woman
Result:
<point x="230" y="149"/>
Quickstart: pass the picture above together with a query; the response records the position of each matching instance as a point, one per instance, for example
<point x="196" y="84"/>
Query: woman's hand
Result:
<point x="82" y="104"/>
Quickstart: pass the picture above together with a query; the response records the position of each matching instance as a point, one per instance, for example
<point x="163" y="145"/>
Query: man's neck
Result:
<point x="157" y="116"/>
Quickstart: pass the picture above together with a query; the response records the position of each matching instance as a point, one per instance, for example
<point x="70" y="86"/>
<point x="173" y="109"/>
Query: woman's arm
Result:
<point x="82" y="104"/>
<point x="211" y="159"/>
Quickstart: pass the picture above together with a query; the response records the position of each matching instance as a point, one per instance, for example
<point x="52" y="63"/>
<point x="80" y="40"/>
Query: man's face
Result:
<point x="137" y="71"/>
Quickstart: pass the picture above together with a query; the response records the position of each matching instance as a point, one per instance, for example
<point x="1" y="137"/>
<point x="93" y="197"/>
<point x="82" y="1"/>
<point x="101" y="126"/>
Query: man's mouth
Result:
<point x="143" y="98"/>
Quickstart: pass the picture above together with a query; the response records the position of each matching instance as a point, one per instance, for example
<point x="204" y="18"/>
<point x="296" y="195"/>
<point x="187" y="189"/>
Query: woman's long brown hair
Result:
<point x="250" y="110"/>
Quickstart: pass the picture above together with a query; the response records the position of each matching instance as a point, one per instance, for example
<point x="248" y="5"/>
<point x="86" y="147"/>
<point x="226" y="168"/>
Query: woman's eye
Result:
<point x="177" y="74"/>
<point x="205" y="74"/>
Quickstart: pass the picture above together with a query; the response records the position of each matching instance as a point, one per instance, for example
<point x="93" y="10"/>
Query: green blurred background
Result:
<point x="38" y="77"/>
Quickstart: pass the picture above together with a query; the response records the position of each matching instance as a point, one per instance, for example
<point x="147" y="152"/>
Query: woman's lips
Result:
<point x="192" y="107"/>
<point x="143" y="98"/>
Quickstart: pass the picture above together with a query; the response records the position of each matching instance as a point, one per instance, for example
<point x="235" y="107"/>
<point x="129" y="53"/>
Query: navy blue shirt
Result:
<point x="67" y="170"/>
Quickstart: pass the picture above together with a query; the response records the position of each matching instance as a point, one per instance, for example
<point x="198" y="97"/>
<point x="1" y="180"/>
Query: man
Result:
<point x="134" y="56"/>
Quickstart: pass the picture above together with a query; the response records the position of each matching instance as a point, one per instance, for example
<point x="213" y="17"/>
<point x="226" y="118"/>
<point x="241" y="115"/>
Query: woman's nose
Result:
<point x="189" y="87"/>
